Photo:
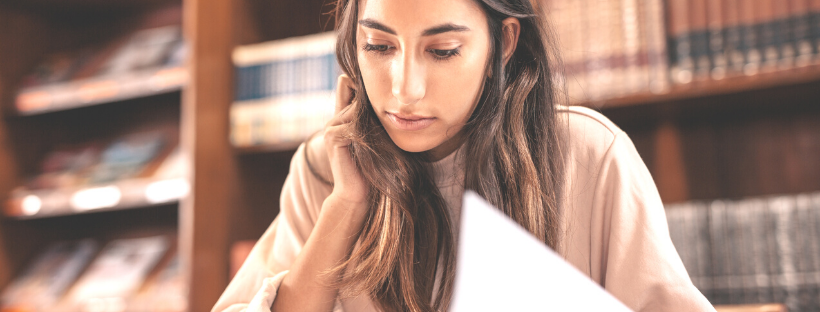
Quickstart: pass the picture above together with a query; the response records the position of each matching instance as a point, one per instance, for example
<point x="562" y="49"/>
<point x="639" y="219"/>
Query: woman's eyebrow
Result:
<point x="369" y="23"/>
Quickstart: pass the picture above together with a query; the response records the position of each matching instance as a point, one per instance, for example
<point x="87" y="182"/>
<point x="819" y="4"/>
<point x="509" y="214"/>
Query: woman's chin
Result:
<point x="413" y="144"/>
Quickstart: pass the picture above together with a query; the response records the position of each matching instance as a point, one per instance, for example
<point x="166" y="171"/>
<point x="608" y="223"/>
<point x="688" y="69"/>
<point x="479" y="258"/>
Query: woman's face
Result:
<point x="423" y="63"/>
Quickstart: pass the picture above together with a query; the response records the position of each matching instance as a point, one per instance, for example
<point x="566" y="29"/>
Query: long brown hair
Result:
<point x="512" y="148"/>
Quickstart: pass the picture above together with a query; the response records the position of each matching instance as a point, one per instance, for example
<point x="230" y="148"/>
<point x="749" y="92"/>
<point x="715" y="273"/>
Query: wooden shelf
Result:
<point x="702" y="89"/>
<point x="99" y="90"/>
<point x="268" y="148"/>
<point x="126" y="194"/>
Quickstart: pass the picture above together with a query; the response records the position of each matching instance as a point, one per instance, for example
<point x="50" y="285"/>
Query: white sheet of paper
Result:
<point x="502" y="267"/>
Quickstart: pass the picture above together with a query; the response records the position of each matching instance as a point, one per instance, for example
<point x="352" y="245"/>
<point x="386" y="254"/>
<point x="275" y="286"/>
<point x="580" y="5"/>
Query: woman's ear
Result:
<point x="510" y="29"/>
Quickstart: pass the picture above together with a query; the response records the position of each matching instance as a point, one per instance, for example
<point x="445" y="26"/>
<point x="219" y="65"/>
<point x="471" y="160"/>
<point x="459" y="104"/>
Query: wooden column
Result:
<point x="205" y="215"/>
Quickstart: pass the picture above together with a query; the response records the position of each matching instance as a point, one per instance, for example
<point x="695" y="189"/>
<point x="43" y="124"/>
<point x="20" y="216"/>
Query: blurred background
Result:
<point x="143" y="144"/>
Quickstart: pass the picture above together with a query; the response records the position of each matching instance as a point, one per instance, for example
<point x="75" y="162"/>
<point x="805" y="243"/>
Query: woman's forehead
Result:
<point x="413" y="17"/>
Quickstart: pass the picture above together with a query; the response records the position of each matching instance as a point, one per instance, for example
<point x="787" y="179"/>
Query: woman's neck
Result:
<point x="446" y="148"/>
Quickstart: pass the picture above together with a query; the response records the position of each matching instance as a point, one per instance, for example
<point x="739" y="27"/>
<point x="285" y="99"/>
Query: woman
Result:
<point x="440" y="96"/>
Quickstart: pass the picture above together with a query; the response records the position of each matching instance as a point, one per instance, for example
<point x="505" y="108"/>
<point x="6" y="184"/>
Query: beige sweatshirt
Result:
<point x="614" y="227"/>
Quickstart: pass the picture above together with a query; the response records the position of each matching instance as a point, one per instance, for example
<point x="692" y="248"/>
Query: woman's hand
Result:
<point x="348" y="185"/>
<point x="341" y="218"/>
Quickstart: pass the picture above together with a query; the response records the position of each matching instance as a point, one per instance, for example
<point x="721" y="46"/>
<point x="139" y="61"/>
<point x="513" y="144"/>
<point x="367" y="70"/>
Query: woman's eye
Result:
<point x="444" y="54"/>
<point x="378" y="48"/>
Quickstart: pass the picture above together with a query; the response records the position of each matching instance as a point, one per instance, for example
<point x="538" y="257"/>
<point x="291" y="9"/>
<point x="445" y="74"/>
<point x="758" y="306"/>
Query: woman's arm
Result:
<point x="308" y="286"/>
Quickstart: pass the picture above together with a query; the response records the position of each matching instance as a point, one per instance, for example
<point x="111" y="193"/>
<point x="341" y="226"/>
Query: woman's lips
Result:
<point x="410" y="122"/>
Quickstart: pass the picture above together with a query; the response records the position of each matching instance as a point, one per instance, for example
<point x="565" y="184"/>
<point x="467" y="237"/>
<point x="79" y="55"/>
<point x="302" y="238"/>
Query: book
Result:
<point x="733" y="36"/>
<point x="285" y="90"/>
<point x="765" y="28"/>
<point x="680" y="41"/>
<point x="48" y="276"/>
<point x="814" y="9"/>
<point x="699" y="32"/>
<point x="716" y="24"/>
<point x="656" y="46"/>
<point x="800" y="19"/>
<point x="128" y="156"/>
<point x="749" y="36"/>
<point x="164" y="292"/>
<point x="116" y="274"/>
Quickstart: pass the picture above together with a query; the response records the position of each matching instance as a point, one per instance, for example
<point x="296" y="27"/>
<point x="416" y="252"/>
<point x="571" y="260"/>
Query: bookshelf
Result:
<point x="110" y="113"/>
<point x="730" y="138"/>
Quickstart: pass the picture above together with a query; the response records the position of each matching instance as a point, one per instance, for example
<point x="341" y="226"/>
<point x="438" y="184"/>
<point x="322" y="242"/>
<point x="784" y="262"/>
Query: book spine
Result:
<point x="700" y="38"/>
<point x="801" y="34"/>
<point x="701" y="228"/>
<point x="749" y="36"/>
<point x="680" y="41"/>
<point x="745" y="224"/>
<point x="631" y="47"/>
<point x="720" y="271"/>
<point x="656" y="53"/>
<point x="783" y="34"/>
<point x="815" y="27"/>
<point x="732" y="36"/>
<point x="813" y="231"/>
<point x="764" y="12"/>
<point x="716" y="25"/>
<point x="785" y="282"/>
<point x="619" y="84"/>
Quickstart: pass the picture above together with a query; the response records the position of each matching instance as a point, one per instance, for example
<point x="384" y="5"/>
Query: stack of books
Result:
<point x="145" y="62"/>
<point x="755" y="250"/>
<point x="134" y="170"/>
<point x="713" y="39"/>
<point x="135" y="274"/>
<point x="610" y="48"/>
<point x="284" y="90"/>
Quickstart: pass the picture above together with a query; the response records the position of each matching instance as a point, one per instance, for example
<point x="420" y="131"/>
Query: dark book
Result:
<point x="680" y="41"/>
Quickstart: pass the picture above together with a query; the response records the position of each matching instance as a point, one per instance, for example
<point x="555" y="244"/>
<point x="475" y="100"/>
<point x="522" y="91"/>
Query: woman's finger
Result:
<point x="345" y="92"/>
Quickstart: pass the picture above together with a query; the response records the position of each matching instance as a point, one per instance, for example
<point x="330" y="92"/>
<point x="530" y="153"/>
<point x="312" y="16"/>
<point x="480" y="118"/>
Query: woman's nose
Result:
<point x="408" y="80"/>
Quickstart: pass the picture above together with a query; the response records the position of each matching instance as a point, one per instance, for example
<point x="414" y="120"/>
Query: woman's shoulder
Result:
<point x="586" y="130"/>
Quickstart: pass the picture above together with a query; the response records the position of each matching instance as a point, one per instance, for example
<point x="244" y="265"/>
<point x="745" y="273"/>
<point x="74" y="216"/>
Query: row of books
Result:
<point x="610" y="48"/>
<point x="284" y="90"/>
<point x="135" y="274"/>
<point x="756" y="250"/>
<point x="136" y="169"/>
<point x="712" y="39"/>
<point x="144" y="62"/>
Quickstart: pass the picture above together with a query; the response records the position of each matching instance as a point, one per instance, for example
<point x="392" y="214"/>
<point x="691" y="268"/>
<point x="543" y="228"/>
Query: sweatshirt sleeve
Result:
<point x="640" y="265"/>
<point x="254" y="287"/>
